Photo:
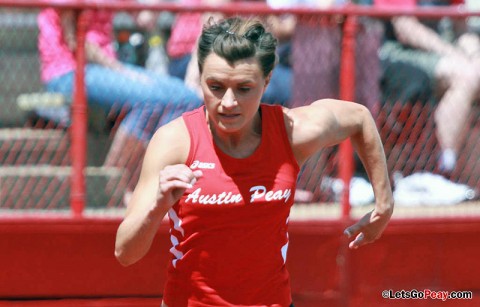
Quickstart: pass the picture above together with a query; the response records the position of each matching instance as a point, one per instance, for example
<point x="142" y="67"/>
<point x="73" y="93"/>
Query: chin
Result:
<point x="229" y="128"/>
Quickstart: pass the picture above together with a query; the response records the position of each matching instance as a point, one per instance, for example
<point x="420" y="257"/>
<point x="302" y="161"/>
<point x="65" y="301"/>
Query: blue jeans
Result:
<point x="177" y="67"/>
<point x="279" y="90"/>
<point x="150" y="100"/>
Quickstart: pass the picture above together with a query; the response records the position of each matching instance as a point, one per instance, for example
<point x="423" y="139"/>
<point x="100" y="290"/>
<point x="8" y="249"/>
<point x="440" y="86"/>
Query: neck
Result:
<point x="241" y="143"/>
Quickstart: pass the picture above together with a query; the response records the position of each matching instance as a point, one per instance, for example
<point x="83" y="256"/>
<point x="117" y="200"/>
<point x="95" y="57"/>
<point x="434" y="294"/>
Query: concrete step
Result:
<point x="27" y="146"/>
<point x="46" y="187"/>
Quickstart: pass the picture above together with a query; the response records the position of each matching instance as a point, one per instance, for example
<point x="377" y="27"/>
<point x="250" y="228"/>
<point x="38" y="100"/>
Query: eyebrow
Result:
<point x="213" y="79"/>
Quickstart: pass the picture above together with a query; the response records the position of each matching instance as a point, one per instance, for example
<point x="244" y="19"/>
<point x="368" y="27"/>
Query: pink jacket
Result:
<point x="55" y="56"/>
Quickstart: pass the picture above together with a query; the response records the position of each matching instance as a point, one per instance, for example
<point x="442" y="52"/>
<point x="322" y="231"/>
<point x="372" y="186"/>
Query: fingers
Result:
<point x="196" y="174"/>
<point x="359" y="241"/>
<point x="355" y="231"/>
<point x="173" y="181"/>
<point x="352" y="230"/>
<point x="364" y="231"/>
<point x="178" y="176"/>
<point x="174" y="184"/>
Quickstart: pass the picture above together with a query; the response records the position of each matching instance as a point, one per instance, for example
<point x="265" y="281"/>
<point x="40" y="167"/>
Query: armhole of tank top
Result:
<point x="280" y="118"/>
<point x="187" y="119"/>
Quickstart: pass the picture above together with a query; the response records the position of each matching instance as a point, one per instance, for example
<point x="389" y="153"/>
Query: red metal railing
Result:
<point x="79" y="125"/>
<point x="246" y="8"/>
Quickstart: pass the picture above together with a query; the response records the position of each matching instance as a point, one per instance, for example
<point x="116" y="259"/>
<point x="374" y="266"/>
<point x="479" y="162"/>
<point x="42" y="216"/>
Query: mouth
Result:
<point x="225" y="115"/>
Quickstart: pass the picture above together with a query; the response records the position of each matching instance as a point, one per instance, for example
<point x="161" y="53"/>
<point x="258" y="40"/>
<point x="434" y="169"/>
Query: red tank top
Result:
<point x="229" y="232"/>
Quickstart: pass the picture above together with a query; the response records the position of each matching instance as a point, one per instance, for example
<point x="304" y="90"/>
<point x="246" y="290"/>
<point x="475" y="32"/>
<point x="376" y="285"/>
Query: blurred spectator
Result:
<point x="316" y="57"/>
<point x="185" y="31"/>
<point x="449" y="65"/>
<point x="299" y="59"/>
<point x="281" y="83"/>
<point x="182" y="43"/>
<point x="149" y="100"/>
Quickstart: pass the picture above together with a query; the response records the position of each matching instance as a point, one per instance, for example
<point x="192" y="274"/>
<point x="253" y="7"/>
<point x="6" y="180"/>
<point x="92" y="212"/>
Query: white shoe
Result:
<point x="447" y="160"/>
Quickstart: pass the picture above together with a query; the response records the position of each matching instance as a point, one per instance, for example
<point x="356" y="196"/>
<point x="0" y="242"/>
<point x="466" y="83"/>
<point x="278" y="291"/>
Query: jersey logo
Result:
<point x="202" y="165"/>
<point x="258" y="193"/>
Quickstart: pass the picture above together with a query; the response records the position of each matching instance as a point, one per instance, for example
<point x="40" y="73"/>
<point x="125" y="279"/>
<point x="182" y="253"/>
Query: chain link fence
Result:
<point x="34" y="123"/>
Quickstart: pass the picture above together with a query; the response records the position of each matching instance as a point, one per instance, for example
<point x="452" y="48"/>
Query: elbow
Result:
<point x="122" y="258"/>
<point x="364" y="116"/>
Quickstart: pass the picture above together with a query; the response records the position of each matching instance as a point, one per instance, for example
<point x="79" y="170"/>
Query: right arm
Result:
<point x="327" y="122"/>
<point x="163" y="180"/>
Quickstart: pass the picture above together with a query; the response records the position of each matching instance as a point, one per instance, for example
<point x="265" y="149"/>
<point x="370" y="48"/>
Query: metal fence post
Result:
<point x="78" y="130"/>
<point x="346" y="162"/>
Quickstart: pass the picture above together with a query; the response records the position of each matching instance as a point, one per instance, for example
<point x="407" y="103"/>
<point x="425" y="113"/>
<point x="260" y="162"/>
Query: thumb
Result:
<point x="197" y="173"/>
<point x="359" y="241"/>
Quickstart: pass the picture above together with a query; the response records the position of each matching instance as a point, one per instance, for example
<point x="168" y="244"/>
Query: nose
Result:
<point x="228" y="99"/>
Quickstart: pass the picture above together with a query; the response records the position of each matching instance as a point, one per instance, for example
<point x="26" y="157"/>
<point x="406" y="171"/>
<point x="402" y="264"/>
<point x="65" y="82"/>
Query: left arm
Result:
<point x="328" y="122"/>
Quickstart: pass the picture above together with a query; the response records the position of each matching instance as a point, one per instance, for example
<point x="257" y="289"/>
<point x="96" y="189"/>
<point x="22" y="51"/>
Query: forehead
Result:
<point x="216" y="67"/>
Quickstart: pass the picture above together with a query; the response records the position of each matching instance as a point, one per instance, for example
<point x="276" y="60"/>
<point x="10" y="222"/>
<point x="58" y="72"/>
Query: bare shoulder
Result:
<point x="323" y="110"/>
<point x="313" y="116"/>
<point x="170" y="144"/>
<point x="321" y="124"/>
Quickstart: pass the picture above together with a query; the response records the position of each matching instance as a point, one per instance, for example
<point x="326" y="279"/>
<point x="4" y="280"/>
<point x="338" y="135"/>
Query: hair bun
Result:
<point x="255" y="32"/>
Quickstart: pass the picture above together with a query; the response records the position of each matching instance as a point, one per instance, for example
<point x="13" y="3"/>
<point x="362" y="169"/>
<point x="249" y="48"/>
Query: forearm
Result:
<point x="136" y="233"/>
<point x="368" y="145"/>
<point x="411" y="32"/>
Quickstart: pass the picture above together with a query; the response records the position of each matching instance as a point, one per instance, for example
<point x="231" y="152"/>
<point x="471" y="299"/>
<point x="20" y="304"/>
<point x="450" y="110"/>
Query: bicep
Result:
<point x="324" y="123"/>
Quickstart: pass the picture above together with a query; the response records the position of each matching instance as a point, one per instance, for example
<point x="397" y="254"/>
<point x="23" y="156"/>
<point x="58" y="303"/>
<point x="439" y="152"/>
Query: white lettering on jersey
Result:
<point x="260" y="191"/>
<point x="226" y="198"/>
<point x="202" y="165"/>
<point x="223" y="198"/>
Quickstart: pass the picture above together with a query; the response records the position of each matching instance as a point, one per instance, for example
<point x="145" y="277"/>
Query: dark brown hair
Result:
<point x="234" y="39"/>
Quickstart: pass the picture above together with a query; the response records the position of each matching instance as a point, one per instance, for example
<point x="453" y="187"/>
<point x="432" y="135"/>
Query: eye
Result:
<point x="244" y="89"/>
<point x="215" y="87"/>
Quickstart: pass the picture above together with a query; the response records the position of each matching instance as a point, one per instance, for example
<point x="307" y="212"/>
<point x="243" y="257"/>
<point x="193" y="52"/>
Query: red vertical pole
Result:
<point x="346" y="160"/>
<point x="347" y="92"/>
<point x="78" y="129"/>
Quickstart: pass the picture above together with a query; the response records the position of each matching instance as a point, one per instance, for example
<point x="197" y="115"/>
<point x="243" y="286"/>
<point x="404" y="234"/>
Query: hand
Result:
<point x="174" y="180"/>
<point x="368" y="229"/>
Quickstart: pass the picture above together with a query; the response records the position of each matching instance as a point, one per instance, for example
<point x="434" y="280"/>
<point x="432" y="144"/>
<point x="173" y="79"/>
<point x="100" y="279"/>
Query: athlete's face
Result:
<point x="232" y="92"/>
